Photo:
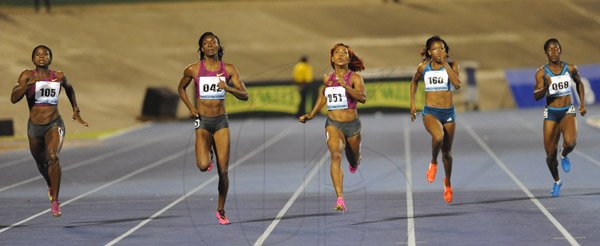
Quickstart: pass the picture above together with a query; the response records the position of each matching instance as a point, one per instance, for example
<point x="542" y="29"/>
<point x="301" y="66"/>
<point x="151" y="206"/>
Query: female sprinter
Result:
<point x="212" y="78"/>
<point x="46" y="129"/>
<point x="342" y="89"/>
<point x="438" y="114"/>
<point x="553" y="80"/>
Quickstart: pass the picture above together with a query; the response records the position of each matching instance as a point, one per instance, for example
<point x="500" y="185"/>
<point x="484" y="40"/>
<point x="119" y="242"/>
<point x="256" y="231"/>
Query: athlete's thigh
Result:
<point x="202" y="146"/>
<point x="353" y="143"/>
<point x="568" y="127"/>
<point x="448" y="136"/>
<point x="37" y="147"/>
<point x="433" y="125"/>
<point x="222" y="144"/>
<point x="54" y="140"/>
<point x="335" y="139"/>
<point x="551" y="135"/>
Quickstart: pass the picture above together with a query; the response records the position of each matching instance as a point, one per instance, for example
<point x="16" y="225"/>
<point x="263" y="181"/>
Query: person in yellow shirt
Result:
<point x="303" y="77"/>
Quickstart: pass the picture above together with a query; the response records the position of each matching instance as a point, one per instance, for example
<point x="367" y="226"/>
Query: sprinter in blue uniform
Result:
<point x="554" y="81"/>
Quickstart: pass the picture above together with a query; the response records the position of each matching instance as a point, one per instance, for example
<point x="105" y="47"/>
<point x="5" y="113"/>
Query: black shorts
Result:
<point x="39" y="131"/>
<point x="212" y="124"/>
<point x="349" y="129"/>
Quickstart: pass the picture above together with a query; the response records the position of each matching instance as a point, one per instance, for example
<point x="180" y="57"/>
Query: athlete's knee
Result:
<point x="202" y="165"/>
<point x="53" y="159"/>
<point x="437" y="140"/>
<point x="447" y="155"/>
<point x="569" y="144"/>
<point x="551" y="160"/>
<point x="336" y="157"/>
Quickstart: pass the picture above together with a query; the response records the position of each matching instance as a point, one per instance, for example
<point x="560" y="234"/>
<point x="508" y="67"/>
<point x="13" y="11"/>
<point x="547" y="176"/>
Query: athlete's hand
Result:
<point x="582" y="110"/>
<point x="77" y="118"/>
<point x="32" y="80"/>
<point x="222" y="85"/>
<point x="413" y="113"/>
<point x="305" y="118"/>
<point x="194" y="113"/>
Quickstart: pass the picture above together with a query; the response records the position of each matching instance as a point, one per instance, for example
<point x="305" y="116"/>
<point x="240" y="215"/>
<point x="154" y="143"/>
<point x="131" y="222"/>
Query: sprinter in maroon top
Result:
<point x="212" y="79"/>
<point x="46" y="129"/>
<point x="341" y="91"/>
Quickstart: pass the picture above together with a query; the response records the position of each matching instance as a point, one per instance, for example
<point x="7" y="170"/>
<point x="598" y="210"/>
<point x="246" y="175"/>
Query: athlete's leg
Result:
<point x="202" y="149"/>
<point x="447" y="150"/>
<point x="551" y="136"/>
<point x="37" y="146"/>
<point x="335" y="143"/>
<point x="353" y="150"/>
<point x="435" y="128"/>
<point x="221" y="138"/>
<point x="54" y="140"/>
<point x="568" y="127"/>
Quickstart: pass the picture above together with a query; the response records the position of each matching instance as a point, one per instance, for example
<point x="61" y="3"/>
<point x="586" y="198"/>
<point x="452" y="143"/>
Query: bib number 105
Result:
<point x="47" y="92"/>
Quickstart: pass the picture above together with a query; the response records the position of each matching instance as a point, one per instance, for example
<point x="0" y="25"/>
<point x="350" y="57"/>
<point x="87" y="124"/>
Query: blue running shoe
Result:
<point x="566" y="164"/>
<point x="555" y="192"/>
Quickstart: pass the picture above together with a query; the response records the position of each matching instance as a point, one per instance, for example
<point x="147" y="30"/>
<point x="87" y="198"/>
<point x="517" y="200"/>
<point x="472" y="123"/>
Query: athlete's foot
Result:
<point x="566" y="163"/>
<point x="55" y="209"/>
<point x="353" y="168"/>
<point x="340" y="205"/>
<point x="431" y="170"/>
<point x="555" y="192"/>
<point x="222" y="217"/>
<point x="447" y="192"/>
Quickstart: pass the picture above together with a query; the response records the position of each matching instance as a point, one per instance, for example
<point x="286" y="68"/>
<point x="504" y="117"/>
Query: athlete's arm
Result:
<point x="239" y="89"/>
<point x="580" y="88"/>
<point x="188" y="75"/>
<point x="72" y="99"/>
<point x="358" y="92"/>
<point x="26" y="79"/>
<point x="318" y="105"/>
<point x="414" y="84"/>
<point x="541" y="87"/>
<point x="453" y="73"/>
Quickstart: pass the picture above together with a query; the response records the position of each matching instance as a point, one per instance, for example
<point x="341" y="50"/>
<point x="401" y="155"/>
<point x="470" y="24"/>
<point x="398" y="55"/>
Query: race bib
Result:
<point x="46" y="92"/>
<point x="436" y="81"/>
<point x="336" y="98"/>
<point x="560" y="85"/>
<point x="209" y="90"/>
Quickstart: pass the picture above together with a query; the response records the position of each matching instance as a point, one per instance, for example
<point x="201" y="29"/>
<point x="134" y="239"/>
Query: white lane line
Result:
<point x="271" y="141"/>
<point x="291" y="201"/>
<point x="17" y="161"/>
<point x="410" y="211"/>
<point x="124" y="131"/>
<point x="89" y="161"/>
<point x="539" y="132"/>
<point x="533" y="199"/>
<point x="138" y="171"/>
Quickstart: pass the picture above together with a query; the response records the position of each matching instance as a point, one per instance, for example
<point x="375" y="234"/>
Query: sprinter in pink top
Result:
<point x="46" y="129"/>
<point x="212" y="79"/>
<point x="341" y="91"/>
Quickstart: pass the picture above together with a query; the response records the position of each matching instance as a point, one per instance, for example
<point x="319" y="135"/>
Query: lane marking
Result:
<point x="533" y="199"/>
<point x="89" y="161"/>
<point x="410" y="211"/>
<point x="291" y="201"/>
<point x="17" y="161"/>
<point x="155" y="164"/>
<point x="259" y="149"/>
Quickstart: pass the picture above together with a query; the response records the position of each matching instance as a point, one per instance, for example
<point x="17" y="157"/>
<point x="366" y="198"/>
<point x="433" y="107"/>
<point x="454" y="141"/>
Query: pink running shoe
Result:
<point x="353" y="169"/>
<point x="210" y="166"/>
<point x="340" y="205"/>
<point x="55" y="208"/>
<point x="222" y="217"/>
